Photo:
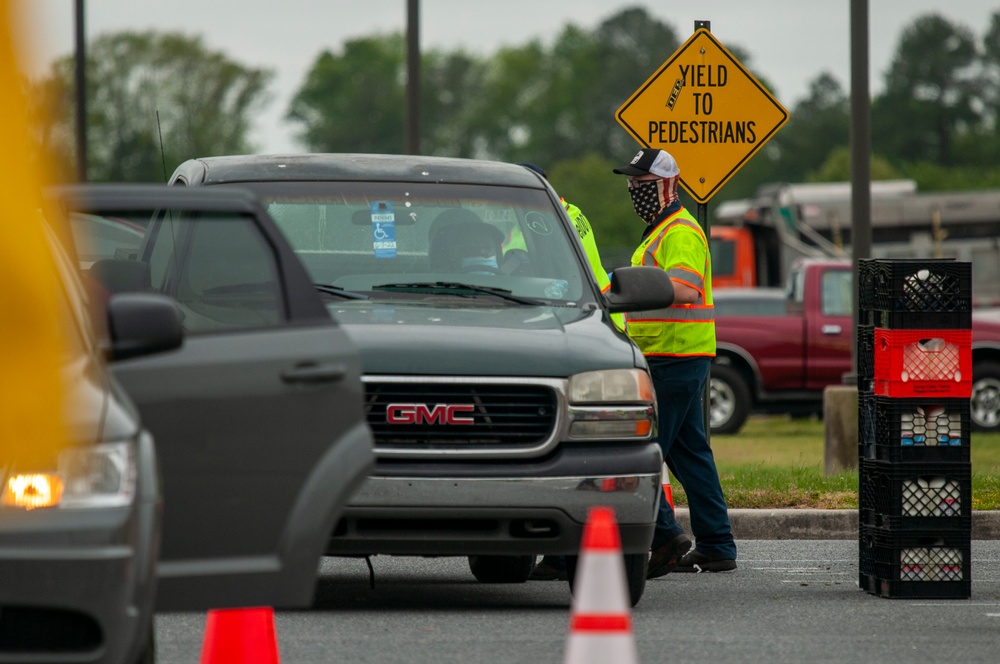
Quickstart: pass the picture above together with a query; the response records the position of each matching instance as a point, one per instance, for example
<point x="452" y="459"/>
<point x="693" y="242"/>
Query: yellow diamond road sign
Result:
<point x="703" y="107"/>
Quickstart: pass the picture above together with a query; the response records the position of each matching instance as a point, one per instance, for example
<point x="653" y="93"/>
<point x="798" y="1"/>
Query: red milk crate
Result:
<point x="923" y="363"/>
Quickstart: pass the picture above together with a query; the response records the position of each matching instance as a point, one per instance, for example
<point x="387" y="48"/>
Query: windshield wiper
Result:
<point x="460" y="289"/>
<point x="340" y="291"/>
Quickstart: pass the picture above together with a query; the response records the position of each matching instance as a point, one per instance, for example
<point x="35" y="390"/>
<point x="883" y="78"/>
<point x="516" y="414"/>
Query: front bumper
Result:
<point x="77" y="585"/>
<point x="503" y="509"/>
<point x="70" y="587"/>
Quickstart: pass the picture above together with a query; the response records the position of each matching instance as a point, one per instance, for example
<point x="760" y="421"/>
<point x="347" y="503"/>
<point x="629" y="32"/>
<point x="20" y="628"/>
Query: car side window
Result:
<point x="227" y="278"/>
<point x="836" y="287"/>
<point x="219" y="267"/>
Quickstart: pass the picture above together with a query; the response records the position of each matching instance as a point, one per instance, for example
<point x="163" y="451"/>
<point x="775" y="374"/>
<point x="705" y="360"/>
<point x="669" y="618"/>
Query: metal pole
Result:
<point x="861" y="146"/>
<point x="706" y="397"/>
<point x="81" y="95"/>
<point x="413" y="76"/>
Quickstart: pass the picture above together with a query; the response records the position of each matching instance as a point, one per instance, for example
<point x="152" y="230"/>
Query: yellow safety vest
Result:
<point x="677" y="244"/>
<point x="586" y="233"/>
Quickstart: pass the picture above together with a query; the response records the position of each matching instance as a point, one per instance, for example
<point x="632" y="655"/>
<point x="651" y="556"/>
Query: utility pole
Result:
<point x="861" y="147"/>
<point x="413" y="76"/>
<point x="81" y="94"/>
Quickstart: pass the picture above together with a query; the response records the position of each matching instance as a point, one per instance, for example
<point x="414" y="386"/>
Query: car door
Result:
<point x="258" y="417"/>
<point x="829" y="327"/>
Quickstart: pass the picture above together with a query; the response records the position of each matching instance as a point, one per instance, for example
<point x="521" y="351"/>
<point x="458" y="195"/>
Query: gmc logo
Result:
<point x="422" y="413"/>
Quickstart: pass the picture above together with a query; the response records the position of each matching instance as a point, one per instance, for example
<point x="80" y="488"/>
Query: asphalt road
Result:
<point x="790" y="601"/>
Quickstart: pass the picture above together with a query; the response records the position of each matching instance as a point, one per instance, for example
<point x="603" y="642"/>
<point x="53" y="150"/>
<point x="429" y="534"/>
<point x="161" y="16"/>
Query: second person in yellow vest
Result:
<point x="586" y="233"/>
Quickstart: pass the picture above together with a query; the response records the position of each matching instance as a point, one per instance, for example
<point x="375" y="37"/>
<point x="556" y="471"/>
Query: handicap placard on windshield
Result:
<point x="383" y="229"/>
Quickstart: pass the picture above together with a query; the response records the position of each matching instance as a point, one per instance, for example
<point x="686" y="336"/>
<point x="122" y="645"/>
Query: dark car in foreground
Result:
<point x="79" y="527"/>
<point x="258" y="417"/>
<point x="503" y="401"/>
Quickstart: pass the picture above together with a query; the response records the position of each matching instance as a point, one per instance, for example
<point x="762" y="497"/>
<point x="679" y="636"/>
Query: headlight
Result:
<point x="97" y="476"/>
<point x="613" y="404"/>
<point x="612" y="386"/>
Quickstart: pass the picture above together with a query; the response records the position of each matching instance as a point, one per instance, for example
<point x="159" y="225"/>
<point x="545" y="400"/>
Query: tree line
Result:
<point x="155" y="99"/>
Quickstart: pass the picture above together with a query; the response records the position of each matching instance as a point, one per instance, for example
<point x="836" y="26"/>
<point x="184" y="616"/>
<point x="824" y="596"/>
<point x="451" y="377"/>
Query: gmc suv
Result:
<point x="503" y="401"/>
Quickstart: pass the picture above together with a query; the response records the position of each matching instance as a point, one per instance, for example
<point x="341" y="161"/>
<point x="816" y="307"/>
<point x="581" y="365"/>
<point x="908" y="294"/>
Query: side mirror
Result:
<point x="142" y="324"/>
<point x="639" y="289"/>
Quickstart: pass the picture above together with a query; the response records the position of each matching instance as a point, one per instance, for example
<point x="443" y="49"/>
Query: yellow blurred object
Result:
<point x="31" y="342"/>
<point x="33" y="490"/>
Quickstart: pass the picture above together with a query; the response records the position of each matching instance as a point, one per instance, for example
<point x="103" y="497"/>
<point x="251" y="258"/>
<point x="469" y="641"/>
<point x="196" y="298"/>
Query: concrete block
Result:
<point x="840" y="428"/>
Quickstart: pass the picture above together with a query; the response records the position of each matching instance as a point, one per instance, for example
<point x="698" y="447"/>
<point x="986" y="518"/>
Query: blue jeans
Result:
<point x="679" y="386"/>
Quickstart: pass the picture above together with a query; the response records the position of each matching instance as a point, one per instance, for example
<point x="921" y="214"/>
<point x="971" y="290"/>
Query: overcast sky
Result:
<point x="789" y="41"/>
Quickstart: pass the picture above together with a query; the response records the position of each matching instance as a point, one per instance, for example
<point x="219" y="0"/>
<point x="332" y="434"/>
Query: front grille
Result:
<point x="502" y="415"/>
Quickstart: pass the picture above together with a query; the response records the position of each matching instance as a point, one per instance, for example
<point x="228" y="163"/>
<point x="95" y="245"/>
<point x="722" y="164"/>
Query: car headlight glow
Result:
<point x="31" y="490"/>
<point x="94" y="476"/>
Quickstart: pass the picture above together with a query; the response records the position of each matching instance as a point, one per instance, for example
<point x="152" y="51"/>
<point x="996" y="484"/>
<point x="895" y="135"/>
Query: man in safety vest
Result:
<point x="679" y="344"/>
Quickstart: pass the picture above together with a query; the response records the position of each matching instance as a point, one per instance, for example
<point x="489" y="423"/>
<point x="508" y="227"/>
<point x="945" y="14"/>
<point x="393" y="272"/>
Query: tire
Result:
<point x="636" y="565"/>
<point x="501" y="569"/>
<point x="729" y="400"/>
<point x="984" y="405"/>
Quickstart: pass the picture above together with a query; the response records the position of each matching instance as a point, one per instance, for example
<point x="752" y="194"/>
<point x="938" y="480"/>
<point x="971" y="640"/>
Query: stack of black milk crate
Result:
<point x="914" y="370"/>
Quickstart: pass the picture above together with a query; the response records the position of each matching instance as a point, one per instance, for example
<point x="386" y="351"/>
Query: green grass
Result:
<point x="777" y="462"/>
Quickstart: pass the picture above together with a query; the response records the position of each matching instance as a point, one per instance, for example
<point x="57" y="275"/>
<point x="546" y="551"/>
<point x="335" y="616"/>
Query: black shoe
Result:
<point x="665" y="558"/>
<point x="696" y="561"/>
<point x="549" y="570"/>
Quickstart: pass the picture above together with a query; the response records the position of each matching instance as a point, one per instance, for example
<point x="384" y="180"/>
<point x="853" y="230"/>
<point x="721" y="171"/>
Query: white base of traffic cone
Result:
<point x="601" y="625"/>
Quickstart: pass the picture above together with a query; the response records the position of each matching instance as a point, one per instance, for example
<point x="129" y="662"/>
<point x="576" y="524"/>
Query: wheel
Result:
<point x="635" y="574"/>
<point x="501" y="569"/>
<point x="729" y="400"/>
<point x="985" y="402"/>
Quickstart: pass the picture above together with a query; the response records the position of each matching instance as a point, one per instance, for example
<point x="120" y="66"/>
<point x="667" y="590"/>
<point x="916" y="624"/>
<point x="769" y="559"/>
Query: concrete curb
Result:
<point x="813" y="524"/>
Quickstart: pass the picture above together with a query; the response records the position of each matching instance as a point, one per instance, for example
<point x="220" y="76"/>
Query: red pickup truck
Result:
<point x="779" y="348"/>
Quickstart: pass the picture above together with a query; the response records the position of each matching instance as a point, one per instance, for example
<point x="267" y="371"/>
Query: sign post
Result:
<point x="706" y="109"/>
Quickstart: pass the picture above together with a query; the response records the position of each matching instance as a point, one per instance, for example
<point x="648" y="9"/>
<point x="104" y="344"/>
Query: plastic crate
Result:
<point x="923" y="363"/>
<point x="915" y="564"/>
<point x="866" y="422"/>
<point x="866" y="355"/>
<point x="920" y="293"/>
<point x="914" y="430"/>
<point x="915" y="496"/>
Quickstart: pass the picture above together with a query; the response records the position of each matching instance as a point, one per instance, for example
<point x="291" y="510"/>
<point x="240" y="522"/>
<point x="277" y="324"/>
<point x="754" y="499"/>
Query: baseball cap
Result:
<point x="651" y="161"/>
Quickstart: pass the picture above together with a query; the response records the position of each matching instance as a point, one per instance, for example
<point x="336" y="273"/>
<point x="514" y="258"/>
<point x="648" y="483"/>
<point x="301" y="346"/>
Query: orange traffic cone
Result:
<point x="600" y="627"/>
<point x="667" y="491"/>
<point x="240" y="636"/>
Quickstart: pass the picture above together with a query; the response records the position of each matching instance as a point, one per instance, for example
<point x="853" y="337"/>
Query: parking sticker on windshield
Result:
<point x="383" y="229"/>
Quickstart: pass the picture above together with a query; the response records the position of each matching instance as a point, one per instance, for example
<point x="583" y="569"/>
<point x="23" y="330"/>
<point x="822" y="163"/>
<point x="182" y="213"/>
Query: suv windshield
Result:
<point x="358" y="237"/>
